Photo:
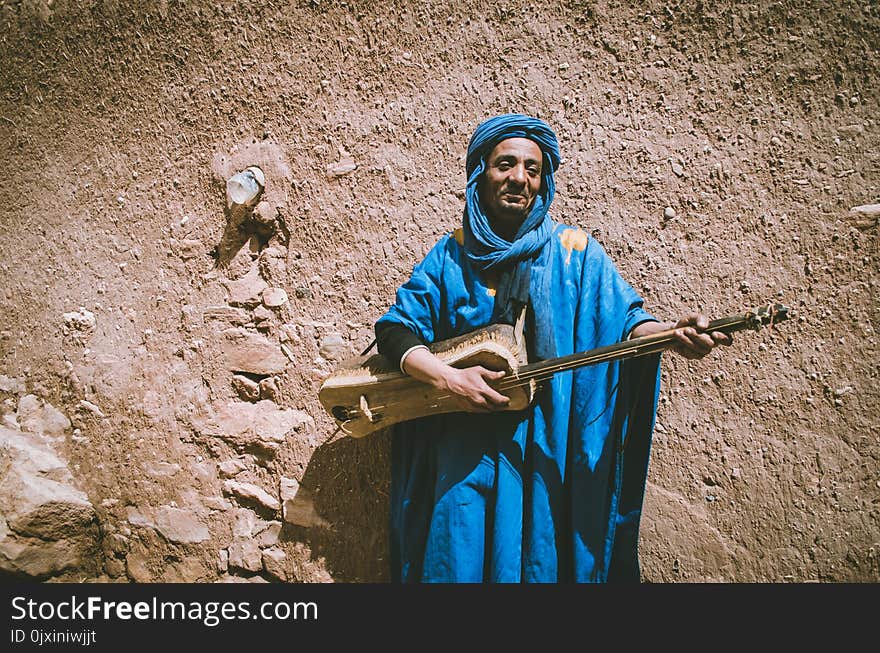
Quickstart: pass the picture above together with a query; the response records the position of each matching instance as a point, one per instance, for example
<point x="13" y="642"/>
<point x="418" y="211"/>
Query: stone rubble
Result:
<point x="47" y="525"/>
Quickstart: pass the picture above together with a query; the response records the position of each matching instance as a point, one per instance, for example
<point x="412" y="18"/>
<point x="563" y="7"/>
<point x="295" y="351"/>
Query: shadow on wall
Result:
<point x="242" y="223"/>
<point x="343" y="502"/>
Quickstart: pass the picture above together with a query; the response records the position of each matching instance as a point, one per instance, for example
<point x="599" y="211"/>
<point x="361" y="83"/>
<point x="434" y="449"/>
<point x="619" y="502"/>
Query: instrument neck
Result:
<point x="642" y="346"/>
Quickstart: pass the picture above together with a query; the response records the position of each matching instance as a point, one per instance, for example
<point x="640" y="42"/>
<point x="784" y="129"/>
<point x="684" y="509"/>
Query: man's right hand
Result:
<point x="469" y="386"/>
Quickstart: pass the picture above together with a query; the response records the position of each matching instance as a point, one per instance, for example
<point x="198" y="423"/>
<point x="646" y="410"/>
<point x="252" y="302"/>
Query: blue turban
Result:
<point x="486" y="249"/>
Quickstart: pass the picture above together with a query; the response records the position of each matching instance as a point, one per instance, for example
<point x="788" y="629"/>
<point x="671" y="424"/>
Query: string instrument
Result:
<point x="368" y="393"/>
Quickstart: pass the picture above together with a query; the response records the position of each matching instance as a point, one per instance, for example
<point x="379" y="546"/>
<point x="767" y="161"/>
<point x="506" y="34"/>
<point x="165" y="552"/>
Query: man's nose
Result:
<point x="518" y="174"/>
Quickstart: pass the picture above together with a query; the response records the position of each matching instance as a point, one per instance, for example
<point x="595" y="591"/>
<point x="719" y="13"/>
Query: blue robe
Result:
<point x="552" y="493"/>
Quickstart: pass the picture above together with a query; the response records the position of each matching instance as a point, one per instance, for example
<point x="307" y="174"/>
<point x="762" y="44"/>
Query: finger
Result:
<point x="701" y="321"/>
<point x="722" y="338"/>
<point x="687" y="320"/>
<point x="496" y="398"/>
<point x="684" y="336"/>
<point x="703" y="342"/>
<point x="491" y="375"/>
<point x="692" y="338"/>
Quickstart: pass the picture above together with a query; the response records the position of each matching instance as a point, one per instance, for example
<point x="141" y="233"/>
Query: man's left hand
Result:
<point x="693" y="343"/>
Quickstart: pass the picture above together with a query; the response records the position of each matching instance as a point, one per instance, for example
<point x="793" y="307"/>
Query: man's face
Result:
<point x="511" y="181"/>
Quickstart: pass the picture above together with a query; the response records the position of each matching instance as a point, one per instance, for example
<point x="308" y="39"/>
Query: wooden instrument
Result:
<point x="368" y="393"/>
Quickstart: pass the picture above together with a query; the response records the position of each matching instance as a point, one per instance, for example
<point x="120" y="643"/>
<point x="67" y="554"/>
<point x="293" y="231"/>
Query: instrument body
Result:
<point x="367" y="393"/>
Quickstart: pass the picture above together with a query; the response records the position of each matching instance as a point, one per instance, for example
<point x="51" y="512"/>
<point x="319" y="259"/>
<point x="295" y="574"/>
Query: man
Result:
<point x="554" y="492"/>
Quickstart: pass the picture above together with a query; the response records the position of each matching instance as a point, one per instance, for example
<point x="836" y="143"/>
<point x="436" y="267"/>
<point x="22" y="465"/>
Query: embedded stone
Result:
<point x="262" y="314"/>
<point x="247" y="389"/>
<point x="274" y="297"/>
<point x="298" y="507"/>
<point x="180" y="526"/>
<point x="252" y="493"/>
<point x="246" y="291"/>
<point x="342" y="167"/>
<point x="243" y="522"/>
<point x="230" y="314"/>
<point x="81" y="320"/>
<point x="231" y="467"/>
<point x="41" y="417"/>
<point x="253" y="353"/>
<point x="11" y="384"/>
<point x="245" y="554"/>
<point x="268" y="534"/>
<point x="269" y="389"/>
<point x="37" y="495"/>
<point x="273" y="563"/>
<point x="333" y="347"/>
<point x="261" y="426"/>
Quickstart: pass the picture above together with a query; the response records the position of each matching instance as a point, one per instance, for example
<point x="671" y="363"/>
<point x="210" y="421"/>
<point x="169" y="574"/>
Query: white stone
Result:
<point x="90" y="407"/>
<point x="160" y="468"/>
<point x="222" y="560"/>
<point x="867" y="210"/>
<point x="41" y="417"/>
<point x="273" y="297"/>
<point x="81" y="320"/>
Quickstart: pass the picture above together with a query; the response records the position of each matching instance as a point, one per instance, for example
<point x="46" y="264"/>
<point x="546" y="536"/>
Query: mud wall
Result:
<point x="164" y="353"/>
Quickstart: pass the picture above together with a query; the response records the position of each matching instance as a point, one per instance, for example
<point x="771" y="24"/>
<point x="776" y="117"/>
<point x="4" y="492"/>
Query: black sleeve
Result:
<point x="394" y="340"/>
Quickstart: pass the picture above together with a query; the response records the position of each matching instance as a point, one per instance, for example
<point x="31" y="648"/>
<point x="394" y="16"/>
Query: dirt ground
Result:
<point x="165" y="326"/>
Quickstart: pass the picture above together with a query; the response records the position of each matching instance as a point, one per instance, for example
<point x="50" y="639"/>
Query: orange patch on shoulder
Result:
<point x="573" y="239"/>
<point x="458" y="234"/>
